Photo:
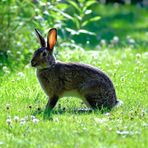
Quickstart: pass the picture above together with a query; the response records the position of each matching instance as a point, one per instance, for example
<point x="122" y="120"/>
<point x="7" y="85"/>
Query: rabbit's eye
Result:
<point x="44" y="54"/>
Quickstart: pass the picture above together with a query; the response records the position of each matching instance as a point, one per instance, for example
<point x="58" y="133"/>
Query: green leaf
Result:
<point x="62" y="6"/>
<point x="86" y="32"/>
<point x="91" y="20"/>
<point x="88" y="4"/>
<point x="73" y="32"/>
<point x="95" y="18"/>
<point x="77" y="23"/>
<point x="75" y="5"/>
<point x="63" y="13"/>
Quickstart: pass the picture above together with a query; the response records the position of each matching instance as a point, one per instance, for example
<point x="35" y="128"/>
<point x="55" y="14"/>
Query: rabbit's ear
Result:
<point x="51" y="39"/>
<point x="40" y="38"/>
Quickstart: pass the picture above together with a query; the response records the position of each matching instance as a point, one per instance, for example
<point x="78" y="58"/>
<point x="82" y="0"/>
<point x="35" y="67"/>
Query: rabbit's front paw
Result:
<point x="47" y="113"/>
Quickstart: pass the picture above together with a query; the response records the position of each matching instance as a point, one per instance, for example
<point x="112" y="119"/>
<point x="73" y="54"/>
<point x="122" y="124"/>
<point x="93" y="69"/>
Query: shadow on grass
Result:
<point x="76" y="111"/>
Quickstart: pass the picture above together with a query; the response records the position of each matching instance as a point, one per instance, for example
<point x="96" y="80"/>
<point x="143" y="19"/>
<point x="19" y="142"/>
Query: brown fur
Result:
<point x="57" y="78"/>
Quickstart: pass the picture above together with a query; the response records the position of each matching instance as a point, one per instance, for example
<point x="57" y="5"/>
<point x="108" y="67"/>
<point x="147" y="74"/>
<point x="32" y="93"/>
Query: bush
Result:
<point x="19" y="18"/>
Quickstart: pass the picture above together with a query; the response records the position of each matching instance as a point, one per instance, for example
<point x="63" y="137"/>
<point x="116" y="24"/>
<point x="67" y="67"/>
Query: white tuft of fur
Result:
<point x="119" y="103"/>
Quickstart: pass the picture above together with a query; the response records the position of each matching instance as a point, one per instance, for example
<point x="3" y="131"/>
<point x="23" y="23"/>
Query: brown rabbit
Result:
<point x="60" y="79"/>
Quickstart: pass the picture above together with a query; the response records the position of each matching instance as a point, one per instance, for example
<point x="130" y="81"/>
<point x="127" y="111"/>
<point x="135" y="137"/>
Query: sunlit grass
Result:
<point x="119" y="48"/>
<point x="22" y="102"/>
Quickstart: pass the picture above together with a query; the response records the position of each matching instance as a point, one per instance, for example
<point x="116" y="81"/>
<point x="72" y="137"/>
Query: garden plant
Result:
<point x="111" y="37"/>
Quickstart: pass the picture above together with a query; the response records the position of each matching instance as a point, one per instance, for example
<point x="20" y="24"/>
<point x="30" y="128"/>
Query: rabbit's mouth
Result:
<point x="33" y="63"/>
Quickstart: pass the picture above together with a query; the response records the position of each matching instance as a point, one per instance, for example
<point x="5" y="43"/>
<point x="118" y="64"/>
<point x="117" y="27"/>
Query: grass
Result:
<point x="22" y="99"/>
<point x="126" y="126"/>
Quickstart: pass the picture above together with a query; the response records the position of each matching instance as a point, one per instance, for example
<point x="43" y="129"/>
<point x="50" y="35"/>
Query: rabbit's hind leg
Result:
<point x="94" y="101"/>
<point x="99" y="102"/>
<point x="98" y="95"/>
<point x="89" y="90"/>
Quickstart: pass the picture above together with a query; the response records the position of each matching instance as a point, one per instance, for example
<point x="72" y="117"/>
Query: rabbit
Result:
<point x="59" y="79"/>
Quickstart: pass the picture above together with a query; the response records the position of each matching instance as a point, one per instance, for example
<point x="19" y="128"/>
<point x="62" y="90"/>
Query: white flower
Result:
<point x="98" y="120"/>
<point x="107" y="65"/>
<point x="32" y="117"/>
<point x="18" y="52"/>
<point x="8" y="51"/>
<point x="1" y="142"/>
<point x="7" y="72"/>
<point x="107" y="114"/>
<point x="27" y="66"/>
<point x="46" y="12"/>
<point x="131" y="41"/>
<point x="35" y="121"/>
<point x="21" y="74"/>
<point x="21" y="23"/>
<point x="5" y="68"/>
<point x="7" y="106"/>
<point x="145" y="124"/>
<point x="8" y="121"/>
<point x="19" y="44"/>
<point x="16" y="118"/>
<point x="125" y="132"/>
<point x="26" y="118"/>
<point x="118" y="62"/>
<point x="122" y="78"/>
<point x="36" y="10"/>
<point x="56" y="120"/>
<point x="103" y="42"/>
<point x="98" y="47"/>
<point x="22" y="121"/>
<point x="87" y="42"/>
<point x="138" y="55"/>
<point x="115" y="40"/>
<point x="38" y="17"/>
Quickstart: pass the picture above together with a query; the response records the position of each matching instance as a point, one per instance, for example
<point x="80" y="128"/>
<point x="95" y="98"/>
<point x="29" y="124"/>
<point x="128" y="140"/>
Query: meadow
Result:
<point x="122" y="53"/>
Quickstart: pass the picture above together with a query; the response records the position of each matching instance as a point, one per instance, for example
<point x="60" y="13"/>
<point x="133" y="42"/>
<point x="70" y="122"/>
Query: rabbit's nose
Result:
<point x="33" y="63"/>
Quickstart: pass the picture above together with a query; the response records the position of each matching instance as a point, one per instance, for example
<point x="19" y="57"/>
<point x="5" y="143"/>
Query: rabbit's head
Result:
<point x="43" y="57"/>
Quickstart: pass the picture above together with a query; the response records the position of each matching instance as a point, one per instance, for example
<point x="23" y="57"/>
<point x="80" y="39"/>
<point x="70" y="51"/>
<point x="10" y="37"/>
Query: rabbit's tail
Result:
<point x="119" y="103"/>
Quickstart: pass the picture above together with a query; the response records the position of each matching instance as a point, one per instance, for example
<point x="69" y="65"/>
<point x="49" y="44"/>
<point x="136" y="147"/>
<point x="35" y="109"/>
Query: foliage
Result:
<point x="119" y="47"/>
<point x="77" y="22"/>
<point x="22" y="104"/>
<point x="19" y="18"/>
<point x="82" y="16"/>
<point x="15" y="31"/>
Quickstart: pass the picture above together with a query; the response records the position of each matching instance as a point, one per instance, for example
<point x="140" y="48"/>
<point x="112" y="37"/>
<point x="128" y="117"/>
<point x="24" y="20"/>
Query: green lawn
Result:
<point x="126" y="126"/>
<point x="126" y="62"/>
